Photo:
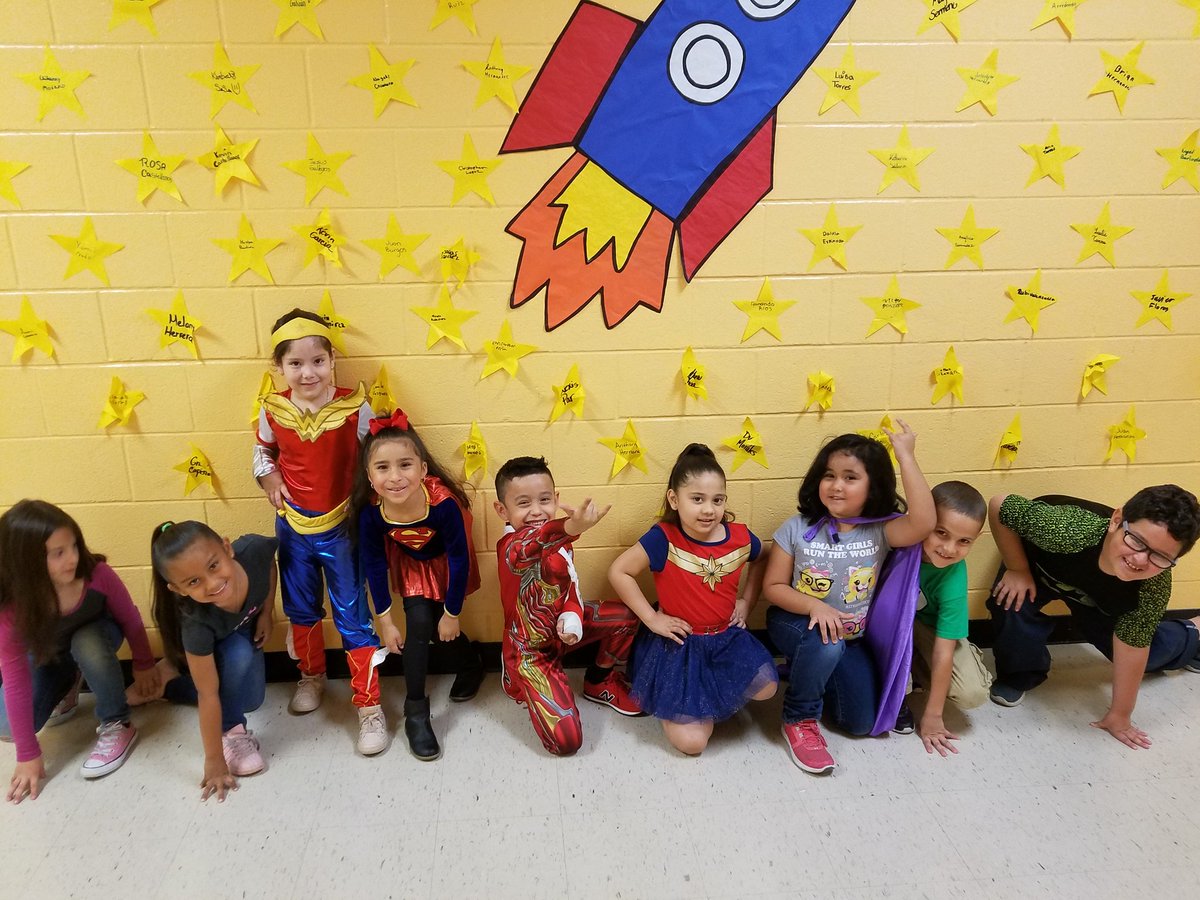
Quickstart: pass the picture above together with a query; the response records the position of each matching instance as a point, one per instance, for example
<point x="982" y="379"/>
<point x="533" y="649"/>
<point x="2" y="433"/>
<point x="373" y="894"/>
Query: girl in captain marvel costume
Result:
<point x="304" y="459"/>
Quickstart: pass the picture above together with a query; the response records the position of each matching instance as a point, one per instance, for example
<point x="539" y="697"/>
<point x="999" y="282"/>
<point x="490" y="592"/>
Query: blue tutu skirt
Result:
<point x="709" y="677"/>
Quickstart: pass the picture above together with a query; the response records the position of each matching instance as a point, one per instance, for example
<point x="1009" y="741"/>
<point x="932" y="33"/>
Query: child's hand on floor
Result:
<point x="936" y="736"/>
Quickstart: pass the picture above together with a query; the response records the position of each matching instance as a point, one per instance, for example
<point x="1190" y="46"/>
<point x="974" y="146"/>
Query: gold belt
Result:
<point x="303" y="524"/>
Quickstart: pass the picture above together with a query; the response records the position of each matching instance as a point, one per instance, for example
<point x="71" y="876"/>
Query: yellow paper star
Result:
<point x="228" y="160"/>
<point x="319" y="170"/>
<point x="693" y="376"/>
<point x="1100" y="236"/>
<point x="198" y="470"/>
<point x="385" y="81"/>
<point x="983" y="84"/>
<point x="627" y="450"/>
<point x="504" y="353"/>
<point x="249" y="252"/>
<point x="337" y="325"/>
<point x="54" y="86"/>
<point x="1010" y="442"/>
<point x="474" y="451"/>
<point x="1093" y="373"/>
<point x="966" y="239"/>
<point x="457" y="260"/>
<point x="1124" y="437"/>
<point x="86" y="251"/>
<point x="890" y="309"/>
<point x="459" y="9"/>
<point x="944" y="13"/>
<point x="1029" y="301"/>
<point x="497" y="78"/>
<point x="31" y="333"/>
<point x="298" y="12"/>
<point x="1194" y="6"/>
<point x="1184" y="160"/>
<point x="226" y="81"/>
<point x="379" y="394"/>
<point x="8" y="170"/>
<point x="445" y="320"/>
<point x="1158" y="302"/>
<point x="569" y="395"/>
<point x="820" y="390"/>
<point x="137" y="10"/>
<point x="320" y="239"/>
<point x="763" y="312"/>
<point x="901" y="161"/>
<point x="747" y="444"/>
<point x="177" y="325"/>
<point x="395" y="248"/>
<point x="1061" y="10"/>
<point x="1121" y="75"/>
<point x="1048" y="158"/>
<point x="118" y="407"/>
<point x="947" y="378"/>
<point x="881" y="434"/>
<point x="266" y="387"/>
<point x="153" y="170"/>
<point x="844" y="83"/>
<point x="470" y="173"/>
<point x="829" y="241"/>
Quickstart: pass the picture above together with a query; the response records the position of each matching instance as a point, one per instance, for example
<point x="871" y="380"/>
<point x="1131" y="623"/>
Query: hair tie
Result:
<point x="396" y="420"/>
<point x="164" y="526"/>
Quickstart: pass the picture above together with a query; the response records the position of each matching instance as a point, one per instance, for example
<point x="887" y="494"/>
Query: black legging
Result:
<point x="422" y="616"/>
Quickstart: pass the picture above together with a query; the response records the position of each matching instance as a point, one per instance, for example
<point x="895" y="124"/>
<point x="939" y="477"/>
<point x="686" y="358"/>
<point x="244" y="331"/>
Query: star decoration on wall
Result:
<point x="1124" y="436"/>
<point x="86" y="251"/>
<point x="55" y="87"/>
<point x="966" y="239"/>
<point x="474" y="452"/>
<point x="1010" y="442"/>
<point x="153" y="170"/>
<point x="763" y="312"/>
<point x="139" y="11"/>
<point x="1094" y="371"/>
<point x="249" y="252"/>
<point x="901" y="161"/>
<point x="747" y="444"/>
<point x="396" y="248"/>
<point x="177" y="325"/>
<point x="1121" y="75"/>
<point x="319" y="170"/>
<point x="337" y="324"/>
<point x="9" y="169"/>
<point x="1029" y="301"/>
<point x="198" y="470"/>
<point x="322" y="240"/>
<point x="944" y="13"/>
<point x="692" y="374"/>
<point x="1048" y="158"/>
<point x="458" y="9"/>
<point x="1157" y="304"/>
<point x="298" y="12"/>
<point x="568" y="396"/>
<point x="1194" y="6"/>
<point x="385" y="81"/>
<point x="456" y="261"/>
<point x="983" y="84"/>
<point x="890" y="309"/>
<point x="31" y="333"/>
<point x="445" y="320"/>
<point x="504" y="353"/>
<point x="1100" y="237"/>
<point x="820" y="390"/>
<point x="1062" y="11"/>
<point x="947" y="378"/>
<point x="829" y="241"/>
<point x="379" y="394"/>
<point x="627" y="450"/>
<point x="266" y="387"/>
<point x="844" y="82"/>
<point x="1184" y="162"/>
<point x="228" y="161"/>
<point x="119" y="405"/>
<point x="497" y="78"/>
<point x="470" y="173"/>
<point x="226" y="82"/>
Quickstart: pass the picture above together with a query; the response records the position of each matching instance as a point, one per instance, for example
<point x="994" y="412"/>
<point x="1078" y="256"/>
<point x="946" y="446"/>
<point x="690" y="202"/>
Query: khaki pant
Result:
<point x="970" y="679"/>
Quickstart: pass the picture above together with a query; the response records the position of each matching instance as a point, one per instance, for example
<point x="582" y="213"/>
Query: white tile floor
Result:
<point x="1037" y="804"/>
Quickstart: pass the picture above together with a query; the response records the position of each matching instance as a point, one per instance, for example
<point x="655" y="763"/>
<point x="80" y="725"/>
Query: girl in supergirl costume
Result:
<point x="304" y="459"/>
<point x="412" y="520"/>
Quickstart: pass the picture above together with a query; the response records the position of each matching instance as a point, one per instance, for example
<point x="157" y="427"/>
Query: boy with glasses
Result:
<point x="1112" y="568"/>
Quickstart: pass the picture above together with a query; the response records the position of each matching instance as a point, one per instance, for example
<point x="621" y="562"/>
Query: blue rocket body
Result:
<point x="699" y="79"/>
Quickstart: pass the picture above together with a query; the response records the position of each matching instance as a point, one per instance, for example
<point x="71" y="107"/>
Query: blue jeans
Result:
<point x="241" y="670"/>
<point x="838" y="678"/>
<point x="94" y="653"/>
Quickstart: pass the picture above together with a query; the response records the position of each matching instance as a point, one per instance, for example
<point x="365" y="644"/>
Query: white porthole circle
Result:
<point x="766" y="9"/>
<point x="706" y="62"/>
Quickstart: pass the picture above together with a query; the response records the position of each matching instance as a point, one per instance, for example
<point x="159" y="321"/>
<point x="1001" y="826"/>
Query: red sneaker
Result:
<point x="806" y="746"/>
<point x="613" y="692"/>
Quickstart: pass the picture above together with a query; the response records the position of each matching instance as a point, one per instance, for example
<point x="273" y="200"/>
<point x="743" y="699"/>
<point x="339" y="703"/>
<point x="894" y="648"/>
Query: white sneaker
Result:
<point x="309" y="691"/>
<point x="372" y="731"/>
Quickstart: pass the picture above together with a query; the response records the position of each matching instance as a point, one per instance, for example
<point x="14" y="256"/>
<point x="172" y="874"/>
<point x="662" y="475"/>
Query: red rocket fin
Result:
<point x="571" y="80"/>
<point x="742" y="183"/>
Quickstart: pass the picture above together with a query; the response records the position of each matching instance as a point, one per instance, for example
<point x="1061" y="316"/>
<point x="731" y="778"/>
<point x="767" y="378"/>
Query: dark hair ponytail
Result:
<point x="696" y="459"/>
<point x="166" y="543"/>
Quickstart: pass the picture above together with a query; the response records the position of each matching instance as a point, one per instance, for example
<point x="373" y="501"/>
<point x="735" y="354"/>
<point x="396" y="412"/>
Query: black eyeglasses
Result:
<point x="1135" y="543"/>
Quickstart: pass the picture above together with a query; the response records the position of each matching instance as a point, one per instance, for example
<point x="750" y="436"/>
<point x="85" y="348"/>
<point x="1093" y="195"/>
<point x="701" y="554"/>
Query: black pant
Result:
<point x="422" y="616"/>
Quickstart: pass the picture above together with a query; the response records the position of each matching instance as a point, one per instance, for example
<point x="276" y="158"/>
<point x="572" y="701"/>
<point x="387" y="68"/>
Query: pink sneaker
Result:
<point x="67" y="706"/>
<point x="241" y="752"/>
<point x="806" y="746"/>
<point x="613" y="692"/>
<point x="111" y="750"/>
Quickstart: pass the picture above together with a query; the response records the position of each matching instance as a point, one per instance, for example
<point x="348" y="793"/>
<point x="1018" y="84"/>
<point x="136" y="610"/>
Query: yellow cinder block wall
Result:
<point x="120" y="482"/>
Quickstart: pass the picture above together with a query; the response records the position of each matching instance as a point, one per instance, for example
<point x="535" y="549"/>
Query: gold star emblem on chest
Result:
<point x="711" y="569"/>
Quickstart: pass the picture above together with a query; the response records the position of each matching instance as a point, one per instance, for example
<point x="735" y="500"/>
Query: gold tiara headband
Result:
<point x="298" y="328"/>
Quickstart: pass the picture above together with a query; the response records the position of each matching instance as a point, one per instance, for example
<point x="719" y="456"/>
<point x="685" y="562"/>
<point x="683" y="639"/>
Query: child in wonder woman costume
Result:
<point x="304" y="459"/>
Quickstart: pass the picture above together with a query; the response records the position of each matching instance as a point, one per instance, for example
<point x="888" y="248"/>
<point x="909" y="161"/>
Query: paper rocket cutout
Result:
<point x="54" y="86"/>
<point x="445" y="320"/>
<point x="153" y="170"/>
<point x="456" y="261"/>
<point x="470" y="173"/>
<point x="265" y="388"/>
<point x="844" y="82"/>
<point x="1157" y="304"/>
<point x="177" y="325"/>
<point x="396" y="248"/>
<point x="947" y="378"/>
<point x="118" y="407"/>
<point x="1100" y="237"/>
<point x="1184" y="163"/>
<point x="1048" y="158"/>
<point x="1094" y="373"/>
<point x="944" y="13"/>
<point x="1124" y="436"/>
<point x="10" y="168"/>
<point x="1061" y="10"/>
<point x="504" y="353"/>
<point x="627" y="450"/>
<point x="763" y="312"/>
<point x="226" y="81"/>
<point x="385" y="81"/>
<point x="31" y="333"/>
<point x="228" y="161"/>
<point x="1010" y="442"/>
<point x="198" y="470"/>
<point x="497" y="78"/>
<point x="830" y="240"/>
<point x="692" y="374"/>
<point x="747" y="444"/>
<point x="86" y="251"/>
<point x="137" y="10"/>
<point x="569" y="395"/>
<point x="820" y="390"/>
<point x="890" y="309"/>
<point x="983" y="84"/>
<point x="475" y="452"/>
<point x="319" y="170"/>
<point x="1029" y="301"/>
<point x="966" y="239"/>
<point x="337" y="325"/>
<point x="321" y="240"/>
<point x="458" y="9"/>
<point x="1121" y="75"/>
<point x="249" y="252"/>
<point x="901" y="161"/>
<point x="379" y="394"/>
<point x="298" y="12"/>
